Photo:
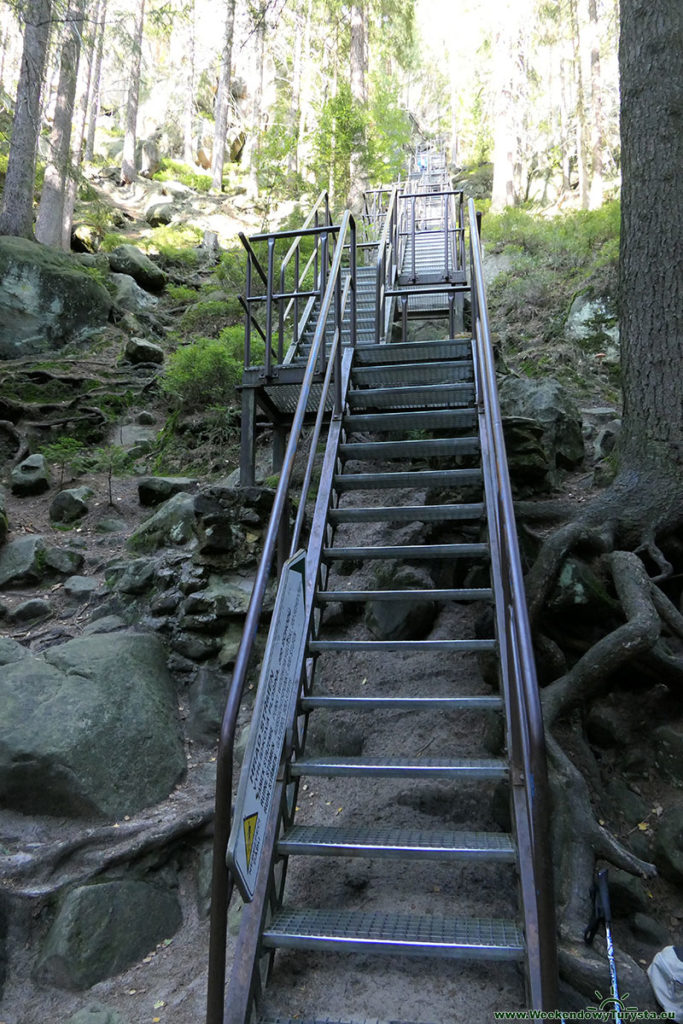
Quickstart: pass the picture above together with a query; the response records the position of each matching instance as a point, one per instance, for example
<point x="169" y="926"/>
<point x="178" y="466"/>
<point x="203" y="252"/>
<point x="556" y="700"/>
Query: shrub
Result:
<point x="203" y="374"/>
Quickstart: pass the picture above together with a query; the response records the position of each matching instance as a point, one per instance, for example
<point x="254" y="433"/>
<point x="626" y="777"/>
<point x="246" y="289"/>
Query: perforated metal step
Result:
<point x="326" y="703"/>
<point x="440" y="646"/>
<point x="407" y="551"/>
<point x="361" y="596"/>
<point x="401" y="934"/>
<point x="470" y="767"/>
<point x="470" y="512"/>
<point x="412" y="373"/>
<point x="409" y="351"/>
<point x="413" y="397"/>
<point x="436" y="419"/>
<point x="442" y="447"/>
<point x="409" y="844"/>
<point x="416" y="478"/>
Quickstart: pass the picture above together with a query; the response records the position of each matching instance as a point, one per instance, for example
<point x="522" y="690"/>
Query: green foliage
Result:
<point x="175" y="170"/>
<point x="112" y="460"/>
<point x="551" y="261"/>
<point x="389" y="132"/>
<point x="341" y="125"/>
<point x="209" y="317"/>
<point x="206" y="372"/>
<point x="66" y="452"/>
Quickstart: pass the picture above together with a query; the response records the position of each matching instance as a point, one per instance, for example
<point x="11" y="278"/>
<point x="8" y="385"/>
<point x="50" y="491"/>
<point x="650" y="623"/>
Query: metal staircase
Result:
<point x="412" y="510"/>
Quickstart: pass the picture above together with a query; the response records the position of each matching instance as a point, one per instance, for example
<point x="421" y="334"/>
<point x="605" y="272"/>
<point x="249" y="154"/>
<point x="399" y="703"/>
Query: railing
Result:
<point x="334" y="302"/>
<point x="526" y="742"/>
<point x="438" y="212"/>
<point x="387" y="257"/>
<point x="278" y="300"/>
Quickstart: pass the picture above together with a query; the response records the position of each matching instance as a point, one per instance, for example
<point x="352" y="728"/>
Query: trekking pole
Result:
<point x="602" y="914"/>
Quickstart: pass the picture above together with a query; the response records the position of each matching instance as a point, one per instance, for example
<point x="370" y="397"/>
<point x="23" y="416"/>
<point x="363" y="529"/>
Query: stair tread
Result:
<point x="443" y="446"/>
<point x="427" y="419"/>
<point x="370" y="703"/>
<point x="484" y="767"/>
<point x="465" y="646"/>
<point x="364" y="841"/>
<point x="407" y="478"/>
<point x="409" y="551"/>
<point x="407" y="513"/>
<point x="351" y="596"/>
<point x="374" y="931"/>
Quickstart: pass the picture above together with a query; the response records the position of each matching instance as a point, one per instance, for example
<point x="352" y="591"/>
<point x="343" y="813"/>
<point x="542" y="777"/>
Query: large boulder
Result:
<point x="89" y="728"/>
<point x="31" y="476"/>
<point x="546" y="402"/>
<point x="4" y="521"/>
<point x="47" y="299"/>
<point x="126" y="259"/>
<point x="101" y="929"/>
<point x="31" y="558"/>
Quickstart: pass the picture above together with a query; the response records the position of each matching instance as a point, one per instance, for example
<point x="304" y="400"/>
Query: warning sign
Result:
<point x="274" y="710"/>
<point x="249" y="833"/>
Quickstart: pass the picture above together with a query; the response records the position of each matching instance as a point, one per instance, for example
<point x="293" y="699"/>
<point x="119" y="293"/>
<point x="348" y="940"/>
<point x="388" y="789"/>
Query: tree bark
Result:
<point x="223" y="101"/>
<point x="188" y="125"/>
<point x="504" y="134"/>
<point x="597" y="124"/>
<point x="128" y="161"/>
<point x="359" y="97"/>
<point x="651" y="253"/>
<point x="49" y="222"/>
<point x="582" y="134"/>
<point x="94" y="97"/>
<point x="16" y="216"/>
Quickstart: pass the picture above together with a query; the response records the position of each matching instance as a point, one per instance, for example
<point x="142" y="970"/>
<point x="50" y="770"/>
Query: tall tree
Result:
<point x="359" y="96"/>
<point x="128" y="159"/>
<point x="651" y="256"/>
<point x="223" y="100"/>
<point x="16" y="215"/>
<point x="49" y="222"/>
<point x="95" y="80"/>
<point x="597" y="126"/>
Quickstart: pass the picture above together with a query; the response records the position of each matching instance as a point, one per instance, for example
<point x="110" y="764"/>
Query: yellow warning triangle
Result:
<point x="249" y="833"/>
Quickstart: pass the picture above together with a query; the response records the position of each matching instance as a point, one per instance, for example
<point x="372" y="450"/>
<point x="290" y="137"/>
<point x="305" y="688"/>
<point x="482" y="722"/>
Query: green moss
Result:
<point x="174" y="170"/>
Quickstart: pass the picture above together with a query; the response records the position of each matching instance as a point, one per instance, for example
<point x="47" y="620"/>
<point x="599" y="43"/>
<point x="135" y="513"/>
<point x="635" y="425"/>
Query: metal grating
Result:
<point x="363" y="931"/>
<point x="480" y="768"/>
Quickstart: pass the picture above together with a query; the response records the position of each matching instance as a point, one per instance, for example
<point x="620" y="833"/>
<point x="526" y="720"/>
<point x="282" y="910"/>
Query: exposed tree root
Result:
<point x="627" y="530"/>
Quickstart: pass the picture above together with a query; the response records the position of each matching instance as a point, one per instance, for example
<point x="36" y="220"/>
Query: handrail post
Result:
<point x="281" y="316"/>
<point x="445" y="236"/>
<point x="269" y="308"/>
<point x="324" y="244"/>
<point x="414" y="278"/>
<point x="295" y="327"/>
<point x="353" y="271"/>
<point x="247" y="316"/>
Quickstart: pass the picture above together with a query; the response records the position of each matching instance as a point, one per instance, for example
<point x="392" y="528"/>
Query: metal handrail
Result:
<point x="526" y="741"/>
<point x="222" y="881"/>
<point x="385" y="261"/>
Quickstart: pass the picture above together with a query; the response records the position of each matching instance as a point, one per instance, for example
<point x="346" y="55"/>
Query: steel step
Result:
<point x="413" y="373"/>
<point x="432" y="419"/>
<point x="408" y="513"/>
<point x="464" y="767"/>
<point x="442" y="446"/>
<point x="413" y="844"/>
<point x="358" y="596"/>
<point x="359" y="931"/>
<point x="375" y="646"/>
<point x="409" y="478"/>
<point x="420" y="396"/>
<point x="325" y="703"/>
<point x="412" y="351"/>
<point x="406" y="551"/>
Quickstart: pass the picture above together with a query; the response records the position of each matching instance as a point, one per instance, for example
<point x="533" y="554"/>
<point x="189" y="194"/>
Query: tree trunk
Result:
<point x="128" y="162"/>
<point x="253" y="147"/>
<point x="582" y="134"/>
<point x="188" y="125"/>
<point x="651" y="253"/>
<point x="16" y="216"/>
<point x="49" y="222"/>
<point x="504" y="134"/>
<point x="305" y="98"/>
<point x="94" y="98"/>
<point x="597" y="126"/>
<point x="359" y="98"/>
<point x="223" y="101"/>
<point x="295" y="105"/>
